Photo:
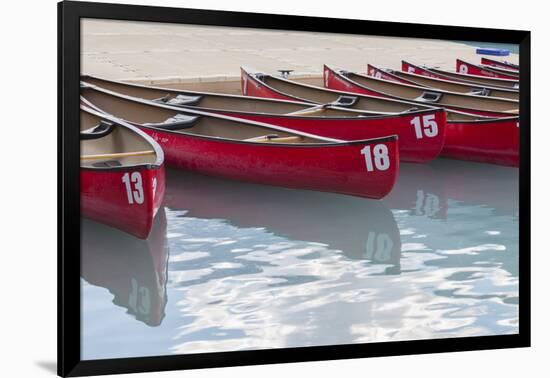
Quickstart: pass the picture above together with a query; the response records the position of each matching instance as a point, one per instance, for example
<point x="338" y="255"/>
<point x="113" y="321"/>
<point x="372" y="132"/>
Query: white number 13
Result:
<point x="135" y="194"/>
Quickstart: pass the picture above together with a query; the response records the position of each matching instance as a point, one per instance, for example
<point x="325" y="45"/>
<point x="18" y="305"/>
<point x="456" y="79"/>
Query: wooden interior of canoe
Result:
<point x="151" y="115"/>
<point x="221" y="101"/>
<point x="121" y="147"/>
<point x="414" y="93"/>
<point x="452" y="86"/>
<point x="325" y="96"/>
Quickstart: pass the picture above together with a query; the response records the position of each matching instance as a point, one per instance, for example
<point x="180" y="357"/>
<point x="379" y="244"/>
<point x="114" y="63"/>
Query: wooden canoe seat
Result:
<point x="177" y="122"/>
<point x="274" y="138"/>
<point x="429" y="97"/>
<point x="117" y="155"/>
<point x="103" y="129"/>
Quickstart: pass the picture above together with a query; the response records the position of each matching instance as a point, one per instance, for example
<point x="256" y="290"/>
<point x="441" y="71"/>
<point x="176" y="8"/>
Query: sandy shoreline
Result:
<point x="208" y="58"/>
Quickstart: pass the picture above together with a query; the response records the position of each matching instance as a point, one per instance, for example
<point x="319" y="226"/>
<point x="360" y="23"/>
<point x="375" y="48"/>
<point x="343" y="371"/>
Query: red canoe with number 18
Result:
<point x="121" y="173"/>
<point x="244" y="150"/>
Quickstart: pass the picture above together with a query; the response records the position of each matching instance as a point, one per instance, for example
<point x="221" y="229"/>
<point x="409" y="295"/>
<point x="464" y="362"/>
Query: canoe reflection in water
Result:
<point x="256" y="267"/>
<point x="425" y="190"/>
<point x="133" y="270"/>
<point x="362" y="229"/>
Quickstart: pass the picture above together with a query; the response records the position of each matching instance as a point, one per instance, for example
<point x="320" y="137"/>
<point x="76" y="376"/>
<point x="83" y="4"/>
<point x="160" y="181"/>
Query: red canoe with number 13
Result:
<point x="121" y="173"/>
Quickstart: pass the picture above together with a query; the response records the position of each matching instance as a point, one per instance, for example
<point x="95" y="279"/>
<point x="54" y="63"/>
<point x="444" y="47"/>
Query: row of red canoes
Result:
<point x="346" y="138"/>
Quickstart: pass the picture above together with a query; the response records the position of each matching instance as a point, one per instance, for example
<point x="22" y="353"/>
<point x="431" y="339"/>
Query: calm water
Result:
<point x="232" y="266"/>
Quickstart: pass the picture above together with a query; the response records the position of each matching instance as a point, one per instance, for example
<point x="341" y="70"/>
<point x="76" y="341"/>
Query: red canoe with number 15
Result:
<point x="121" y="173"/>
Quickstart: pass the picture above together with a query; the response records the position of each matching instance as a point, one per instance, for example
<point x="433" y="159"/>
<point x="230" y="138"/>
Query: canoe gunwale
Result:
<point x="397" y="74"/>
<point x="159" y="152"/>
<point x="334" y="91"/>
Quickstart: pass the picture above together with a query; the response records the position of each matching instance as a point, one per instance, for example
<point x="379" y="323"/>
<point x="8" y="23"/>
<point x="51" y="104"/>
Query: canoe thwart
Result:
<point x="117" y="155"/>
<point x="274" y="138"/>
<point x="309" y="111"/>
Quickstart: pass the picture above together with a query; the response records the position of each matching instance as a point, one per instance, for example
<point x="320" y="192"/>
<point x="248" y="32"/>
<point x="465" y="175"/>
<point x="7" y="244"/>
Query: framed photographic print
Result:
<point x="258" y="188"/>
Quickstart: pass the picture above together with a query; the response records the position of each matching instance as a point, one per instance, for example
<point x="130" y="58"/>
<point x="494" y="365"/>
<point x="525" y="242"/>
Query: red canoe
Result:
<point x="473" y="69"/>
<point x="363" y="84"/>
<point x="499" y="64"/>
<point x="251" y="151"/>
<point x="440" y="84"/>
<point x="485" y="140"/>
<point x="326" y="120"/>
<point x="494" y="141"/>
<point x="121" y="173"/>
<point x="464" y="78"/>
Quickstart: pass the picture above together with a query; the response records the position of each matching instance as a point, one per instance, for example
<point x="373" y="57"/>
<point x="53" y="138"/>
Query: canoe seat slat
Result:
<point x="117" y="155"/>
<point x="309" y="111"/>
<point x="177" y="122"/>
<point x="107" y="164"/>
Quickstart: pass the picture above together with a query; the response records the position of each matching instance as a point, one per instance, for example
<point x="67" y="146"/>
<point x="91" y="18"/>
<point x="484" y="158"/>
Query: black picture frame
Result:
<point x="69" y="361"/>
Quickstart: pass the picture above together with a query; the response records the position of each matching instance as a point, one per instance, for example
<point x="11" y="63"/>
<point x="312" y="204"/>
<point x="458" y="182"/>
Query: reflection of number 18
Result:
<point x="378" y="247"/>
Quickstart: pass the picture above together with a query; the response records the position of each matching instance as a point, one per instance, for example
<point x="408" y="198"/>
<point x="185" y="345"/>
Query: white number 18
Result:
<point x="377" y="158"/>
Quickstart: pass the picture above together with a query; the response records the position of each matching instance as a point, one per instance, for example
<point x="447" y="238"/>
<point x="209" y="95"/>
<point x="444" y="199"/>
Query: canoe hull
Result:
<point x="104" y="197"/>
<point x="494" y="142"/>
<point x="339" y="168"/>
<point x="472" y="69"/>
<point x="413" y="147"/>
